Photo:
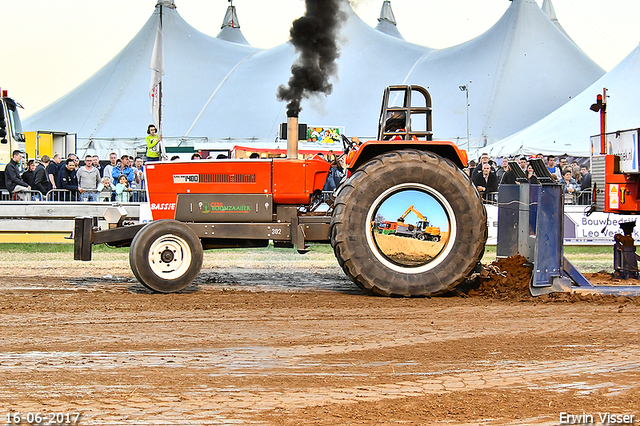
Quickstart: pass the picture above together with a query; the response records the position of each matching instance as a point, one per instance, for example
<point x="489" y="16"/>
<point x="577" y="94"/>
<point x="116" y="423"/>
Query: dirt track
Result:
<point x="286" y="345"/>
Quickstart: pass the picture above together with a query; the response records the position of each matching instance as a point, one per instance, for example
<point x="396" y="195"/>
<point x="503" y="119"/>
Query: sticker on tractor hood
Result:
<point x="195" y="178"/>
<point x="214" y="207"/>
<point x="163" y="206"/>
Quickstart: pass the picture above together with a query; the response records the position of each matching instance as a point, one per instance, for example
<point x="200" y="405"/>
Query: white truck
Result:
<point x="11" y="135"/>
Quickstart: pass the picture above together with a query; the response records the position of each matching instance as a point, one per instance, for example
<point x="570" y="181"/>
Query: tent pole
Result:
<point x="160" y="88"/>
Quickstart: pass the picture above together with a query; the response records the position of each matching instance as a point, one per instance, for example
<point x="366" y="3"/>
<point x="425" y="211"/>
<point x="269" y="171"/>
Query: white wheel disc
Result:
<point x="169" y="257"/>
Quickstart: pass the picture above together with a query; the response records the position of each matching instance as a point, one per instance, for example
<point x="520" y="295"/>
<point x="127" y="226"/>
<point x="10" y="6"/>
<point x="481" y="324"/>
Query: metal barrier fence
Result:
<point x="578" y="197"/>
<point x="490" y="198"/>
<point x="30" y="195"/>
<point x="57" y="195"/>
<point x="61" y="195"/>
<point x="582" y="198"/>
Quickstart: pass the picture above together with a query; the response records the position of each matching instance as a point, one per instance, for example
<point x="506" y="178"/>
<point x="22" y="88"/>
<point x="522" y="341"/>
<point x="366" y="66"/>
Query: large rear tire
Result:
<point x="166" y="256"/>
<point x="384" y="186"/>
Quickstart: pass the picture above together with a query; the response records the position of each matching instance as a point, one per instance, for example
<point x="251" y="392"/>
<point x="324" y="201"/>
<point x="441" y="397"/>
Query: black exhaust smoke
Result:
<point x="315" y="38"/>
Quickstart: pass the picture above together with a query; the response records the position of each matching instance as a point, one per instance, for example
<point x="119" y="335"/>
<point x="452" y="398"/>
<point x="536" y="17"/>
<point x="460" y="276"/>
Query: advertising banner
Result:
<point x="325" y="135"/>
<point x="623" y="144"/>
<point x="596" y="229"/>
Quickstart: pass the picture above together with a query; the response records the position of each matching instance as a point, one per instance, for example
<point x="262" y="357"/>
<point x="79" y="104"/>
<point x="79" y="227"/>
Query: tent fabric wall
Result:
<point x="568" y="130"/>
<point x="520" y="70"/>
<point x="550" y="11"/>
<point x="224" y="92"/>
<point x="517" y="72"/>
<point x="246" y="105"/>
<point x="114" y="102"/>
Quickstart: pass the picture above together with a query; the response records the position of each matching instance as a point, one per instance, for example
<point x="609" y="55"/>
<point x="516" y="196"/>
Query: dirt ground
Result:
<point x="409" y="251"/>
<point x="295" y="343"/>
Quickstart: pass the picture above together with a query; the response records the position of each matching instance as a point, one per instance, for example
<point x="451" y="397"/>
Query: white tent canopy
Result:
<point x="245" y="108"/>
<point x="568" y="129"/>
<point x="224" y="93"/>
<point x="520" y="70"/>
<point x="113" y="105"/>
<point x="517" y="72"/>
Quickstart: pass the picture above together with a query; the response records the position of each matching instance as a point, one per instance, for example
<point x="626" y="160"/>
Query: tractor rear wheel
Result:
<point x="166" y="256"/>
<point x="381" y="190"/>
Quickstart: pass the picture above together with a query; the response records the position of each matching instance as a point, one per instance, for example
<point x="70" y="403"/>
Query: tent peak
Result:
<point x="230" y="29"/>
<point x="166" y="3"/>
<point x="549" y="10"/>
<point x="386" y="14"/>
<point x="387" y="22"/>
<point x="231" y="17"/>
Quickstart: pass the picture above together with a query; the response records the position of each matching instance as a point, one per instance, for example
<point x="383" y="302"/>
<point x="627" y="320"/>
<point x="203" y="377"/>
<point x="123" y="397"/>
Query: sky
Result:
<point x="53" y="46"/>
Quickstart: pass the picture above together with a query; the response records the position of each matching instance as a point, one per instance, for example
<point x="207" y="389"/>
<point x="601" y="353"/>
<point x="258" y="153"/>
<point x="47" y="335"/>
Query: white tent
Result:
<point x="111" y="110"/>
<point x="245" y="108"/>
<point x="568" y="129"/>
<point x="517" y="72"/>
<point x="223" y="93"/>
<point x="387" y="21"/>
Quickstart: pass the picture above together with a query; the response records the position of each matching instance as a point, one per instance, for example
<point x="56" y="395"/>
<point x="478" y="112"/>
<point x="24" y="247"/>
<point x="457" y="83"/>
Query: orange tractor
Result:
<point x="249" y="202"/>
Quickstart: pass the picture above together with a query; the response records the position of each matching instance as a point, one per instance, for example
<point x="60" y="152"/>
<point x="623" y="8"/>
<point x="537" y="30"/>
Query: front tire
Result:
<point x="386" y="185"/>
<point x="166" y="256"/>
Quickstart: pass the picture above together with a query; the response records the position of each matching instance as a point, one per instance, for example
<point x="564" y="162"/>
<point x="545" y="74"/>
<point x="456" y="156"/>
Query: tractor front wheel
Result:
<point x="381" y="190"/>
<point x="166" y="256"/>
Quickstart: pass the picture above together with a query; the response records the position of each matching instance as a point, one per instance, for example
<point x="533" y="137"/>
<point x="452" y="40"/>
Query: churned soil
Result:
<point x="273" y="343"/>
<point x="508" y="279"/>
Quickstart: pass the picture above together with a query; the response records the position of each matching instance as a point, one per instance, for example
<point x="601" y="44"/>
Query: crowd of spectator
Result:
<point x="55" y="179"/>
<point x="122" y="179"/>
<point x="487" y="176"/>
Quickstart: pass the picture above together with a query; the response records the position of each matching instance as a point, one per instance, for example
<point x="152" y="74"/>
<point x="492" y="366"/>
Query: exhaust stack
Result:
<point x="292" y="136"/>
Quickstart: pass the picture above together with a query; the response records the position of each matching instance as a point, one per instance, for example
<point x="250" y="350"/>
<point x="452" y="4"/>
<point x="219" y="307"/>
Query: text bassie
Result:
<point x="163" y="206"/>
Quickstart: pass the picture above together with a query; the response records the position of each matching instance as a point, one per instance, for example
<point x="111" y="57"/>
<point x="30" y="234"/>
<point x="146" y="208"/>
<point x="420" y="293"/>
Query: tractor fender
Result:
<point x="371" y="149"/>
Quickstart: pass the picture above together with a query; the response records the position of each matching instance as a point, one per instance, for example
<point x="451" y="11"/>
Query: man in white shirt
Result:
<point x="107" y="172"/>
<point x="88" y="180"/>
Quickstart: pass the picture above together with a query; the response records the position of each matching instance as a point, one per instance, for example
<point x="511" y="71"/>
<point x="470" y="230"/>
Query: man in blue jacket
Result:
<point x="124" y="168"/>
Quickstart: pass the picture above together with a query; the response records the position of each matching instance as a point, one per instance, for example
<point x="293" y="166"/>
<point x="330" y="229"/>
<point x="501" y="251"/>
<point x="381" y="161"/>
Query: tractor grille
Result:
<point x="598" y="179"/>
<point x="227" y="178"/>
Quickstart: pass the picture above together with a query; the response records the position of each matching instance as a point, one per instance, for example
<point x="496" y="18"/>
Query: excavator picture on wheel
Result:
<point x="422" y="230"/>
<point x="240" y="203"/>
